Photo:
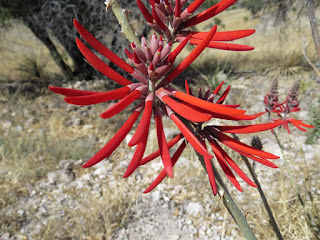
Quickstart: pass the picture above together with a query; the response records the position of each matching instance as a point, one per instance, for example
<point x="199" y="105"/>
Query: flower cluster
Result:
<point x="150" y="91"/>
<point x="214" y="134"/>
<point x="170" y="20"/>
<point x="291" y="104"/>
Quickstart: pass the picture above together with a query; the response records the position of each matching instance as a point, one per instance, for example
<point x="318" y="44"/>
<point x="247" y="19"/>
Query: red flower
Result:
<point x="197" y="136"/>
<point x="168" y="19"/>
<point x="291" y="104"/>
<point x="152" y="92"/>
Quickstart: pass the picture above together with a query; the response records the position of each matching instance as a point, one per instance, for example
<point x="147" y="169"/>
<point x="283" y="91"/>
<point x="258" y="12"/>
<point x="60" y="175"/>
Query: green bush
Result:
<point x="254" y="6"/>
<point x="314" y="135"/>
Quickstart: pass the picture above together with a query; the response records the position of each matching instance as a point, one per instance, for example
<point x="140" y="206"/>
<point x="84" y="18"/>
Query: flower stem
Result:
<point x="121" y="15"/>
<point x="231" y="206"/>
<point x="264" y="199"/>
<point x="313" y="224"/>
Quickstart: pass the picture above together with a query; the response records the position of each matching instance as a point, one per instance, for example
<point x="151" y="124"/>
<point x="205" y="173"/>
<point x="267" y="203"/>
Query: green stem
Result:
<point x="264" y="199"/>
<point x="314" y="225"/>
<point x="122" y="17"/>
<point x="231" y="206"/>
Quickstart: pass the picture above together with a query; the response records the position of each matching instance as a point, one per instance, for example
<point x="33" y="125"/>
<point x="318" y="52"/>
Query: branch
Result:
<point x="314" y="27"/>
<point x="121" y="15"/>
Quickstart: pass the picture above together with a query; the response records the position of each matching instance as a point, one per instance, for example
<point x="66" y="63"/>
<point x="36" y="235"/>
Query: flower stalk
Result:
<point x="229" y="203"/>
<point x="272" y="221"/>
<point x="121" y="15"/>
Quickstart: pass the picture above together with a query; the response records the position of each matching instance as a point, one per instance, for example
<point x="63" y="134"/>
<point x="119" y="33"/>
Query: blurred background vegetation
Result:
<point x="51" y="23"/>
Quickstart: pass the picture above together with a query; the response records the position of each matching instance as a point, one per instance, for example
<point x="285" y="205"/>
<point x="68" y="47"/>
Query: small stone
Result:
<point x="5" y="236"/>
<point x="19" y="128"/>
<point x="183" y="162"/>
<point x="6" y="124"/>
<point x="174" y="237"/>
<point x="156" y="195"/>
<point x="194" y="209"/>
<point x="20" y="213"/>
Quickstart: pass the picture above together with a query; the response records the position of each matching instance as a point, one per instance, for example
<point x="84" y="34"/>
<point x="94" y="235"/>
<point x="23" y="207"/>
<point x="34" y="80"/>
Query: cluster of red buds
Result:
<point x="149" y="90"/>
<point x="170" y="20"/>
<point x="291" y="104"/>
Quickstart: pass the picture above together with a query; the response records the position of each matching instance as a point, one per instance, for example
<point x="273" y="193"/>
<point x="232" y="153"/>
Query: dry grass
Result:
<point x="97" y="220"/>
<point x="27" y="155"/>
<point x="278" y="50"/>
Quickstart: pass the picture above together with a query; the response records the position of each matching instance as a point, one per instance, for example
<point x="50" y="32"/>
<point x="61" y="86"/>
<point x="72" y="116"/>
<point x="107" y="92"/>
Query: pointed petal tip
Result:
<point x="86" y="165"/>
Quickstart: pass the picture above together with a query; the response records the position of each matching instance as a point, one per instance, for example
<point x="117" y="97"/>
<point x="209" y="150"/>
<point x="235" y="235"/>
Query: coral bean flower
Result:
<point x="150" y="90"/>
<point x="215" y="135"/>
<point x="169" y="18"/>
<point x="291" y="104"/>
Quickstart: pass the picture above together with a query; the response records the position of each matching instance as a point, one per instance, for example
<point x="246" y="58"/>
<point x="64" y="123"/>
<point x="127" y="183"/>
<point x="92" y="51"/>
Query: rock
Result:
<point x="61" y="176"/>
<point x="67" y="164"/>
<point x="5" y="236"/>
<point x="194" y="209"/>
<point x="183" y="162"/>
<point x="6" y="124"/>
<point x="19" y="128"/>
<point x="156" y="196"/>
<point x="74" y="122"/>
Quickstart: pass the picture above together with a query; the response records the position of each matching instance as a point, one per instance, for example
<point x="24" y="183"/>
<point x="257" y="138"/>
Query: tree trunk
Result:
<point x="43" y="36"/>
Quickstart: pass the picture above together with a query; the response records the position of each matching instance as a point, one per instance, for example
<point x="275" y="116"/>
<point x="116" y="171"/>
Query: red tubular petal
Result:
<point x="211" y="107"/>
<point x="145" y="11"/>
<point x="235" y="118"/>
<point x="193" y="140"/>
<point x="296" y="124"/>
<point x="194" y="6"/>
<point x="71" y="92"/>
<point x="106" y="151"/>
<point x="155" y="154"/>
<point x="192" y="56"/>
<point x="224" y="166"/>
<point x="218" y="88"/>
<point x="257" y="159"/>
<point x="221" y="116"/>
<point x="185" y="111"/>
<point x="187" y="87"/>
<point x="300" y="123"/>
<point x="178" y="49"/>
<point x="128" y="53"/>
<point x="209" y="13"/>
<point x="224" y="36"/>
<point x="163" y="173"/>
<point x="235" y="167"/>
<point x="162" y="26"/>
<point x="165" y="155"/>
<point x="224" y="95"/>
<point x="143" y="125"/>
<point x="177" y="9"/>
<point x="99" y="97"/>
<point x="248" y="128"/>
<point x="243" y="147"/>
<point x="232" y="105"/>
<point x="96" y="44"/>
<point x="222" y="45"/>
<point x="152" y="2"/>
<point x="138" y="154"/>
<point x="100" y="65"/>
<point x="210" y="172"/>
<point x="122" y="104"/>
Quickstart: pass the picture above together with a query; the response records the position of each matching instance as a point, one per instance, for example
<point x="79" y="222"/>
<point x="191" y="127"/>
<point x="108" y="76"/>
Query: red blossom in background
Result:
<point x="291" y="104"/>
